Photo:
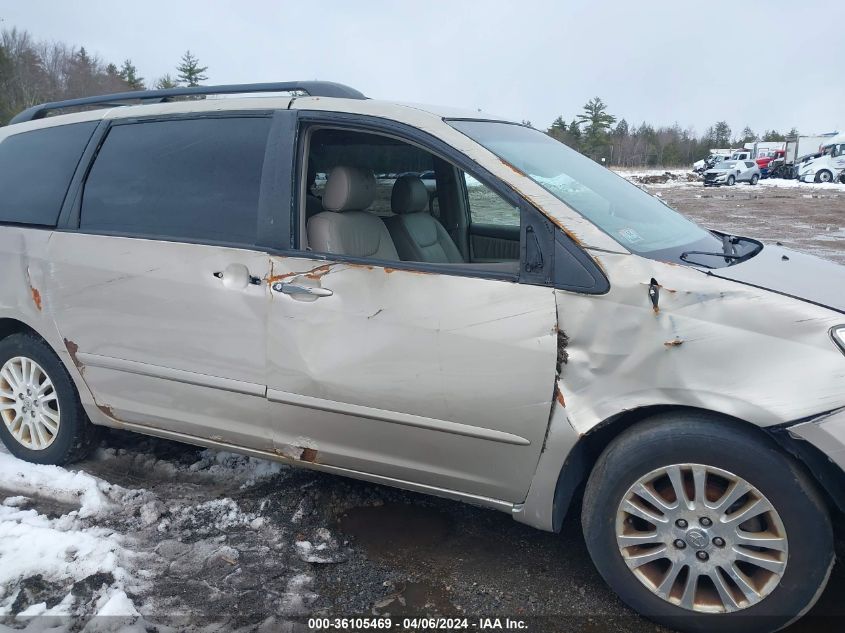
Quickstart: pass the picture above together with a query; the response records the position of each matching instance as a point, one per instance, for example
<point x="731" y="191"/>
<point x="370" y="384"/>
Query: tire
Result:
<point x="731" y="181"/>
<point x="754" y="179"/>
<point x="66" y="434"/>
<point x="824" y="176"/>
<point x="723" y="447"/>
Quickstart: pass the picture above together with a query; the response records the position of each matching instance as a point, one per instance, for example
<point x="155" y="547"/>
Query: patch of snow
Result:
<point x="117" y="604"/>
<point x="297" y="595"/>
<point x="324" y="550"/>
<point x="92" y="494"/>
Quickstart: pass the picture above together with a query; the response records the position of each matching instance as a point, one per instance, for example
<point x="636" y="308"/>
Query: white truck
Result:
<point x="797" y="152"/>
<point x="829" y="165"/>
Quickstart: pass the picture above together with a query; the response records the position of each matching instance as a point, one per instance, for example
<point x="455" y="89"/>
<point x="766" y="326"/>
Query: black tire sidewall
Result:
<point x="731" y="181"/>
<point x="72" y="420"/>
<point x="787" y="487"/>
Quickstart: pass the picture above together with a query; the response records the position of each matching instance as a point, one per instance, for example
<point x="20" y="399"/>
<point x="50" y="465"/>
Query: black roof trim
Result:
<point x="311" y="88"/>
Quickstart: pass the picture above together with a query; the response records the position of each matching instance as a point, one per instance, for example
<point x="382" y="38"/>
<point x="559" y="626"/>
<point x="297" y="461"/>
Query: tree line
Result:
<point x="33" y="72"/>
<point x="601" y="136"/>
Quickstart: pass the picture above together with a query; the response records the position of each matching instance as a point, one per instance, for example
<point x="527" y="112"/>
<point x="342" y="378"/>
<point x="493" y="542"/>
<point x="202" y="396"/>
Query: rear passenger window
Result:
<point x="35" y="171"/>
<point x="195" y="179"/>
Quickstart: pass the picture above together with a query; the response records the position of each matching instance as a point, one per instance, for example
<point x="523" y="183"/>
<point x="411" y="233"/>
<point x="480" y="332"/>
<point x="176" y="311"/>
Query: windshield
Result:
<point x="640" y="222"/>
<point x="725" y="164"/>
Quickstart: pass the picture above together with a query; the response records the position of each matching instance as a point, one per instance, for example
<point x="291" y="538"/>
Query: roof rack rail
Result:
<point x="312" y="88"/>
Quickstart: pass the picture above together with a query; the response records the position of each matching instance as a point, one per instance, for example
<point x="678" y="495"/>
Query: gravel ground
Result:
<point x="806" y="217"/>
<point x="232" y="542"/>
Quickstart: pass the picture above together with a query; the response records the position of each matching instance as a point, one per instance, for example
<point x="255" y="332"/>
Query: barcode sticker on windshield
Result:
<point x="630" y="235"/>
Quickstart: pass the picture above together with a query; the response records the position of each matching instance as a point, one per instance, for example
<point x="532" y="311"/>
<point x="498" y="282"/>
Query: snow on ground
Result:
<point x="62" y="558"/>
<point x="80" y="552"/>
<point x="673" y="178"/>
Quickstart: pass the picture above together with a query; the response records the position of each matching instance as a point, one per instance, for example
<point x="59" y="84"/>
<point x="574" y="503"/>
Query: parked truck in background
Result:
<point x="797" y="150"/>
<point x="828" y="166"/>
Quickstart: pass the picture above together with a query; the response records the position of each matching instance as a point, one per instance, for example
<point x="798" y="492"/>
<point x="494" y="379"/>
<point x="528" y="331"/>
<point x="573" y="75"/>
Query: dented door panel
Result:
<point x="160" y="340"/>
<point x="442" y="380"/>
<point x="710" y="343"/>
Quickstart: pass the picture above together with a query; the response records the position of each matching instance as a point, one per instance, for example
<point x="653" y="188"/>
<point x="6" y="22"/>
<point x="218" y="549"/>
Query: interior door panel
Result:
<point x="490" y="242"/>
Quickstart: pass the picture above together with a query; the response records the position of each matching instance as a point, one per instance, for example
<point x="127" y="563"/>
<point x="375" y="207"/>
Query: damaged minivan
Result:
<point x="442" y="301"/>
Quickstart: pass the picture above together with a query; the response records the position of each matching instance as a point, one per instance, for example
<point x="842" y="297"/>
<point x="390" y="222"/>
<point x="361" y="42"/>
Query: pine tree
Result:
<point x="748" y="135"/>
<point x="575" y="133"/>
<point x="558" y="126"/>
<point x="621" y="129"/>
<point x="129" y="74"/>
<point x="190" y="71"/>
<point x="598" y="123"/>
<point x="166" y="82"/>
<point x="721" y="134"/>
<point x="773" y="135"/>
<point x="596" y="117"/>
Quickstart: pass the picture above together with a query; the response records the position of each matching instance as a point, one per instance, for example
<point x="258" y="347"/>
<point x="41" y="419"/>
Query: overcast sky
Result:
<point x="774" y="64"/>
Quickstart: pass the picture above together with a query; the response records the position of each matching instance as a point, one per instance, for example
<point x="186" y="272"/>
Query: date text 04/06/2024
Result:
<point x="417" y="623"/>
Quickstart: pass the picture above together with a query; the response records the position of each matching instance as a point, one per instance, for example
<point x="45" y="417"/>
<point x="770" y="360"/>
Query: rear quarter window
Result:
<point x="35" y="171"/>
<point x="194" y="179"/>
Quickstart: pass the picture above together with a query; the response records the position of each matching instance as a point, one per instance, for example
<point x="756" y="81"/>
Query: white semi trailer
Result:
<point x="829" y="166"/>
<point x="797" y="152"/>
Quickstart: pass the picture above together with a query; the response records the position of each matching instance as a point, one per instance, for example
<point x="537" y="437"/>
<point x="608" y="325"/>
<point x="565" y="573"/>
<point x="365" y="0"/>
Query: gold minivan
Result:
<point x="437" y="300"/>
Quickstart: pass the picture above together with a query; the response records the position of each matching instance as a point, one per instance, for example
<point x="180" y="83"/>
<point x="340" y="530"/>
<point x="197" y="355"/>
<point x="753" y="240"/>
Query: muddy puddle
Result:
<point x="392" y="528"/>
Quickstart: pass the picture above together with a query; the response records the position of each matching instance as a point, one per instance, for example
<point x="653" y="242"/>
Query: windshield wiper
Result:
<point x="730" y="256"/>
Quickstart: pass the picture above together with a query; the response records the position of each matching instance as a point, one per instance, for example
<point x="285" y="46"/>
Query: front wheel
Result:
<point x="702" y="525"/>
<point x="824" y="176"/>
<point x="731" y="181"/>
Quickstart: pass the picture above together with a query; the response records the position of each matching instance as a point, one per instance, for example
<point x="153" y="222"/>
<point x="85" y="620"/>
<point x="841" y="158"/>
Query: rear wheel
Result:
<point x="698" y="524"/>
<point x="41" y="418"/>
<point x="754" y="179"/>
<point x="731" y="181"/>
<point x="824" y="176"/>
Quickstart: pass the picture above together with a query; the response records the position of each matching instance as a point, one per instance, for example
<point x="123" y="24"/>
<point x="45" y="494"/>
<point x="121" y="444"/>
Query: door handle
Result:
<point x="297" y="290"/>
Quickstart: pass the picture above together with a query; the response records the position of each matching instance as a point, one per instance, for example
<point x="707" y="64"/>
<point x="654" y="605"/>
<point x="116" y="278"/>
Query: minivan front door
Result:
<point x="441" y="380"/>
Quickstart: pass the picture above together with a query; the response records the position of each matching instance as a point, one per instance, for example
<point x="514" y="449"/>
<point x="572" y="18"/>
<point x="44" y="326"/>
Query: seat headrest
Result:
<point x="349" y="189"/>
<point x="409" y="195"/>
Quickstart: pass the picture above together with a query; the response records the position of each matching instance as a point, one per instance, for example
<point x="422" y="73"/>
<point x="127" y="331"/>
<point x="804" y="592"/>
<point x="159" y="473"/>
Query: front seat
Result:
<point x="345" y="227"/>
<point x="417" y="235"/>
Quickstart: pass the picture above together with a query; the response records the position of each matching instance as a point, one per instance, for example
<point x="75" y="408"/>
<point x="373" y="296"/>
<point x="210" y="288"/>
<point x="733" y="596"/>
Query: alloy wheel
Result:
<point x="29" y="404"/>
<point x="701" y="538"/>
